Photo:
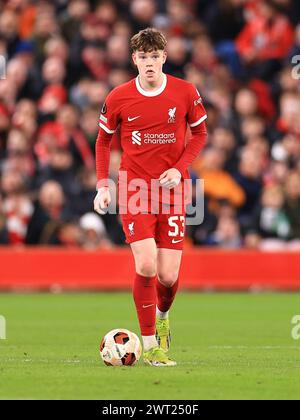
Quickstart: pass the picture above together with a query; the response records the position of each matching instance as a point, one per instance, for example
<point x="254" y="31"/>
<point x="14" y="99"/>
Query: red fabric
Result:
<point x="152" y="126"/>
<point x="56" y="130"/>
<point x="27" y="21"/>
<point x="153" y="129"/>
<point x="193" y="149"/>
<point x="17" y="213"/>
<point x="266" y="105"/>
<point x="144" y="294"/>
<point x="158" y="226"/>
<point x="266" y="40"/>
<point x="116" y="141"/>
<point x="94" y="61"/>
<point x="284" y="128"/>
<point x="57" y="91"/>
<point x="4" y="110"/>
<point x="83" y="148"/>
<point x="50" y="136"/>
<point x="252" y="9"/>
<point x="103" y="143"/>
<point x="165" y="295"/>
<point x="53" y="135"/>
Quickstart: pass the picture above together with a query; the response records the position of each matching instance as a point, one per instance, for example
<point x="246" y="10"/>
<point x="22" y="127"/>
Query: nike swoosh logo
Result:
<point x="176" y="242"/>
<point x="134" y="118"/>
<point x="147" y="306"/>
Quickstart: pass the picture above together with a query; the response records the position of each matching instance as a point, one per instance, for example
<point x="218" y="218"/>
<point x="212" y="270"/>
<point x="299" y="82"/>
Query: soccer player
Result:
<point x="153" y="112"/>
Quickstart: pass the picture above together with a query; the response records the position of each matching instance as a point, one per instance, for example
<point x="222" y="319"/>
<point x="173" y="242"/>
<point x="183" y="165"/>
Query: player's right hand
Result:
<point x="102" y="200"/>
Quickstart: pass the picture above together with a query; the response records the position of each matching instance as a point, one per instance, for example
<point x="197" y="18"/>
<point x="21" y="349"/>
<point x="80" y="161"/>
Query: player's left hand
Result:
<point x="170" y="178"/>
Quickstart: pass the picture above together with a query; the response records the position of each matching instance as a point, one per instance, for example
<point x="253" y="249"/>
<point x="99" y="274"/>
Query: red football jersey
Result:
<point x="153" y="124"/>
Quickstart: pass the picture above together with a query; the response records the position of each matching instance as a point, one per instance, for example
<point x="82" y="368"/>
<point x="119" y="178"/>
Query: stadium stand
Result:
<point x="63" y="57"/>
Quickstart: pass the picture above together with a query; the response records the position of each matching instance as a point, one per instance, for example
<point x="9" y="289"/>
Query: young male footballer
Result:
<point x="153" y="112"/>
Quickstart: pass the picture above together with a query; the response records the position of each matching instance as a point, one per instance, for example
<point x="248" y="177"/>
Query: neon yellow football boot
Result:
<point x="156" y="357"/>
<point x="163" y="334"/>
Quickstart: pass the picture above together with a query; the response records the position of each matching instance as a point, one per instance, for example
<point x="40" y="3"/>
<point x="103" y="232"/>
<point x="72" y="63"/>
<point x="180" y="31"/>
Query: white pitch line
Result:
<point x="255" y="347"/>
<point x="15" y="360"/>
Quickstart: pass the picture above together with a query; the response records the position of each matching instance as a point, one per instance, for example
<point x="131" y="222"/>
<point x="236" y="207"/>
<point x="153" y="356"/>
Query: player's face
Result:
<point x="150" y="64"/>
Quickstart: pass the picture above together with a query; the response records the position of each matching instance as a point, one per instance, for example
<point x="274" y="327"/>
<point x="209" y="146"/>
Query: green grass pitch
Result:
<point x="228" y="346"/>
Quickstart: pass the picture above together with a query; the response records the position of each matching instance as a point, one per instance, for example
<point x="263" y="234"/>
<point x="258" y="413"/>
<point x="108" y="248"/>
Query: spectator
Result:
<point x="292" y="203"/>
<point x="142" y="12"/>
<point x="287" y="150"/>
<point x="227" y="234"/>
<point x="64" y="133"/>
<point x="50" y="102"/>
<point x="54" y="71"/>
<point x="24" y="118"/>
<point x="270" y="220"/>
<point x="219" y="185"/>
<point x="4" y="127"/>
<point x="69" y="235"/>
<point x="67" y="118"/>
<point x="225" y="20"/>
<point x="265" y="40"/>
<point x="50" y="212"/>
<point x="177" y="57"/>
<point x="19" y="156"/>
<point x="94" y="232"/>
<point x="118" y="52"/>
<point x="296" y="48"/>
<point x="9" y="30"/>
<point x="45" y="26"/>
<point x="72" y="17"/>
<point x="288" y="122"/>
<point x="246" y="103"/>
<point x="277" y="174"/>
<point x="223" y="139"/>
<point x="63" y="58"/>
<point x="180" y="17"/>
<point x="249" y="177"/>
<point x="203" y="55"/>
<point x="16" y="207"/>
<point x="56" y="47"/>
<point x="17" y="71"/>
<point x="107" y="12"/>
<point x="89" y="125"/>
<point x="4" y="239"/>
<point x="60" y="169"/>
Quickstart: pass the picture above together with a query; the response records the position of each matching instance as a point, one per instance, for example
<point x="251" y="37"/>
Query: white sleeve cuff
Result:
<point x="199" y="121"/>
<point x="108" y="131"/>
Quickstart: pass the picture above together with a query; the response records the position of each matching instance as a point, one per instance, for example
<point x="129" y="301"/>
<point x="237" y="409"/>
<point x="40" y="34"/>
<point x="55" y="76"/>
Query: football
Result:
<point x="120" y="347"/>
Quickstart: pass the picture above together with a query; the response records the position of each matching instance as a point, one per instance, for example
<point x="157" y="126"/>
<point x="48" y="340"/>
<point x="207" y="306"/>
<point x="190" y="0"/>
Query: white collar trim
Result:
<point x="151" y="93"/>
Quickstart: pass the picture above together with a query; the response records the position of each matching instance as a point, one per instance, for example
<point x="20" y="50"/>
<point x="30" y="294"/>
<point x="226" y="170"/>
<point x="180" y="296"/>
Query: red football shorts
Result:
<point x="168" y="230"/>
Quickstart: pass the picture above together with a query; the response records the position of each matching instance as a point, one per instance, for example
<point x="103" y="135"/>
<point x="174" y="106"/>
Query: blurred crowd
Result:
<point x="63" y="57"/>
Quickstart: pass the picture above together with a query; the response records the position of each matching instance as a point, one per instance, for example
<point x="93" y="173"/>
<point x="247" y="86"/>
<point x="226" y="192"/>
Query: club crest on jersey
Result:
<point x="131" y="228"/>
<point x="172" y="116"/>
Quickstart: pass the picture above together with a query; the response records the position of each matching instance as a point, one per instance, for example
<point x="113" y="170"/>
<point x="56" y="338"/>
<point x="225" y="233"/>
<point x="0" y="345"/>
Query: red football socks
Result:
<point x="144" y="294"/>
<point x="165" y="296"/>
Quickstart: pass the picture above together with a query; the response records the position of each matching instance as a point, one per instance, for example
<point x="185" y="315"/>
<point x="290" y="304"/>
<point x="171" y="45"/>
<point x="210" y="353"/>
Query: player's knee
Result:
<point x="147" y="267"/>
<point x="168" y="279"/>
